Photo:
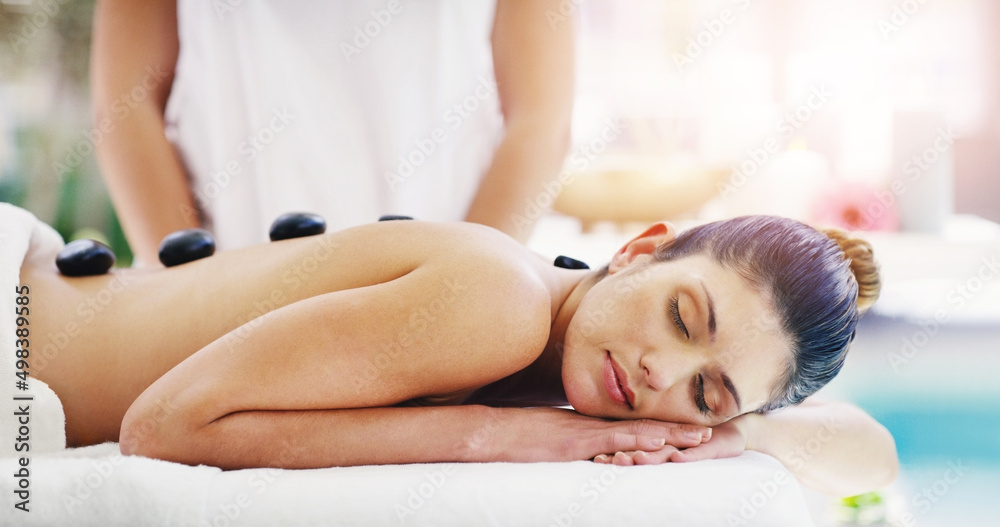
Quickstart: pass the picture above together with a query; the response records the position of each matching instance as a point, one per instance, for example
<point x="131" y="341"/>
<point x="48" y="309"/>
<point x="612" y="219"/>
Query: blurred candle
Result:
<point x="794" y="179"/>
<point x="784" y="183"/>
<point x="923" y="170"/>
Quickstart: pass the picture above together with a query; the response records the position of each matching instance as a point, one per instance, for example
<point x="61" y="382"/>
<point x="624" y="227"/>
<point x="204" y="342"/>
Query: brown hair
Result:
<point x="859" y="253"/>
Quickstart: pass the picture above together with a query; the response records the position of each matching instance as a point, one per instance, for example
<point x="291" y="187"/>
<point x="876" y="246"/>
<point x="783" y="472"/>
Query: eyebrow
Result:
<point x="728" y="383"/>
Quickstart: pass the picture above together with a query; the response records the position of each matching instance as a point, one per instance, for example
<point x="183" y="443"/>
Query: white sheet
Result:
<point x="97" y="486"/>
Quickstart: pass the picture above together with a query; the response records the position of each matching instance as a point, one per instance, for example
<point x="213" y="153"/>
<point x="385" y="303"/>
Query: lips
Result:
<point x="616" y="383"/>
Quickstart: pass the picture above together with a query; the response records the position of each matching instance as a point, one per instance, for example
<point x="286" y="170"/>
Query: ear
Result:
<point x="641" y="247"/>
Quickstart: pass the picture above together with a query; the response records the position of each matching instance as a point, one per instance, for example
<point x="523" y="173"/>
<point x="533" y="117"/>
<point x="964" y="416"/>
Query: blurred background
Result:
<point x="809" y="109"/>
<point x="875" y="115"/>
<point x="47" y="162"/>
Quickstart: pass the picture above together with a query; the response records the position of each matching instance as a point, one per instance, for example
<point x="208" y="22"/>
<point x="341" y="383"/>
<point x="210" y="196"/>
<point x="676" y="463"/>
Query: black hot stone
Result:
<point x="186" y="246"/>
<point x="392" y="217"/>
<point x="569" y="263"/>
<point x="85" y="258"/>
<point x="297" y="225"/>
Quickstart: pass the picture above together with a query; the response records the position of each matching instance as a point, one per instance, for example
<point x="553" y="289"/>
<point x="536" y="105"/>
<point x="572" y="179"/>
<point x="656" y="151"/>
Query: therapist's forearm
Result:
<point x="147" y="183"/>
<point x="835" y="448"/>
<point x="133" y="56"/>
<point x="510" y="194"/>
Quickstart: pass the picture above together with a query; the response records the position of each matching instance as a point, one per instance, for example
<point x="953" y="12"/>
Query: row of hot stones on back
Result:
<point x="90" y="257"/>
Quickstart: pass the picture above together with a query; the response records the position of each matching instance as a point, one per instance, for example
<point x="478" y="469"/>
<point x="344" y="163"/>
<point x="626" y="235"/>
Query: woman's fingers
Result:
<point x="706" y="451"/>
<point x="622" y="459"/>
<point x="637" y="457"/>
<point x="687" y="437"/>
<point x="729" y="441"/>
<point x="654" y="458"/>
<point x="649" y="443"/>
<point x="624" y="442"/>
<point x="652" y="438"/>
<point x="679" y="435"/>
<point x="694" y="454"/>
<point x="548" y="433"/>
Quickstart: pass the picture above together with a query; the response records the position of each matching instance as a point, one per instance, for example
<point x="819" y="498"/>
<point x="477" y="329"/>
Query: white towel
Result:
<point x="31" y="420"/>
<point x="97" y="486"/>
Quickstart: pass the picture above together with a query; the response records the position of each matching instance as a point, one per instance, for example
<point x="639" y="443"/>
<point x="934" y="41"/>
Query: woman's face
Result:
<point x="685" y="341"/>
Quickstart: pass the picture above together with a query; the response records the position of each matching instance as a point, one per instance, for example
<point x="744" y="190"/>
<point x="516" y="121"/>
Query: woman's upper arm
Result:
<point x="135" y="44"/>
<point x="433" y="331"/>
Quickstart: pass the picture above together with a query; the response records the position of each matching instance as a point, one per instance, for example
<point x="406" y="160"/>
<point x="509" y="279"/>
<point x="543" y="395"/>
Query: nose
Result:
<point x="663" y="369"/>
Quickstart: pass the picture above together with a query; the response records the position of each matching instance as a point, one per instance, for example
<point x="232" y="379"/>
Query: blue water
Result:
<point x="948" y="451"/>
<point x="943" y="410"/>
<point x="945" y="427"/>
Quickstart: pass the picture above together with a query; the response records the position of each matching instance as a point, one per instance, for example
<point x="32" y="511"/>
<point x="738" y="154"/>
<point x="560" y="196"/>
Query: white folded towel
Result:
<point x="32" y="419"/>
<point x="97" y="486"/>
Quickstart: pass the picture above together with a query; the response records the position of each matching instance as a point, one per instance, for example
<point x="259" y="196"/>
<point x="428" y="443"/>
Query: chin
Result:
<point x="585" y="406"/>
<point x="581" y="377"/>
<point x="581" y="393"/>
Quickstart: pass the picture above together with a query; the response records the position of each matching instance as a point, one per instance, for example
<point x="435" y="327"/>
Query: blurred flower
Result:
<point x="856" y="206"/>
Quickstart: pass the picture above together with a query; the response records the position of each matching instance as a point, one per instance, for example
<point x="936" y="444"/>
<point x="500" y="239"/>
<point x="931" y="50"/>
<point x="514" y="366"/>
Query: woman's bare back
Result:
<point x="105" y="339"/>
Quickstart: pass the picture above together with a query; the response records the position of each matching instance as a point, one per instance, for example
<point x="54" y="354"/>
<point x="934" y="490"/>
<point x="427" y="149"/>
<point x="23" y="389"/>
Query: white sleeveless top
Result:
<point x="349" y="109"/>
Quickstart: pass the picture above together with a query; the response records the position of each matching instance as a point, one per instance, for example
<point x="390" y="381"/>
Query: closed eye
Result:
<point x="699" y="397"/>
<point x="675" y="314"/>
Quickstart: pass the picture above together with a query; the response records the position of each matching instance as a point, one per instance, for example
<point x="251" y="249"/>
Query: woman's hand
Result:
<point x="729" y="439"/>
<point x="553" y="434"/>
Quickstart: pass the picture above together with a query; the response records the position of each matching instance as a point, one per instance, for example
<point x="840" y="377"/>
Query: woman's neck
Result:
<point x="568" y="289"/>
<point x="566" y="297"/>
<point x="540" y="384"/>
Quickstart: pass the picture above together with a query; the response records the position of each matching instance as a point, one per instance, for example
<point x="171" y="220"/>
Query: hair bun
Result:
<point x="859" y="253"/>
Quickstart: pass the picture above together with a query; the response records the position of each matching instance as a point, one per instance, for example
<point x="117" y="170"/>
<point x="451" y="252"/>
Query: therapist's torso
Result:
<point x="347" y="109"/>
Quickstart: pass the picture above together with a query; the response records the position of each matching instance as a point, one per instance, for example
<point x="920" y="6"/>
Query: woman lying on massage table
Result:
<point x="408" y="341"/>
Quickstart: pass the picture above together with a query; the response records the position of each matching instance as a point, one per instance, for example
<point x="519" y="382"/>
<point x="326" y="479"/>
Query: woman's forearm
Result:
<point x="320" y="438"/>
<point x="389" y="435"/>
<point x="835" y="448"/>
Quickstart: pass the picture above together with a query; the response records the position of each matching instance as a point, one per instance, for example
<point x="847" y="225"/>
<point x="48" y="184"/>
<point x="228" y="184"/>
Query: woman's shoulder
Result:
<point x="496" y="280"/>
<point x="477" y="295"/>
<point x="509" y="275"/>
<point x="464" y="248"/>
